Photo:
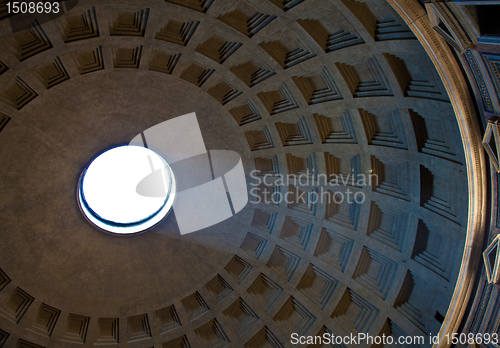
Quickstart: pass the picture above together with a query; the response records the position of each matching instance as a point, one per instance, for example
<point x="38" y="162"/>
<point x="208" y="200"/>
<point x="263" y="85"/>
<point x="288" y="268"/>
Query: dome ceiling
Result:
<point x="314" y="87"/>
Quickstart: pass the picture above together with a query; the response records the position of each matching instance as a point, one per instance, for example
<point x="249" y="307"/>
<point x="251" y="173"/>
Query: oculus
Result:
<point x="126" y="190"/>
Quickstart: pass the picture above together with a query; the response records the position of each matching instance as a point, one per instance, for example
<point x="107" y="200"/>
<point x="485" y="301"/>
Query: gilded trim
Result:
<point x="462" y="102"/>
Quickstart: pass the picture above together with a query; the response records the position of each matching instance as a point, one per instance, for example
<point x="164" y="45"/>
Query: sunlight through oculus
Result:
<point x="127" y="189"/>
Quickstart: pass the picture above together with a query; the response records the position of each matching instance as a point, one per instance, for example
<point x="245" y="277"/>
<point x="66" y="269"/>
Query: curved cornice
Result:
<point x="463" y="105"/>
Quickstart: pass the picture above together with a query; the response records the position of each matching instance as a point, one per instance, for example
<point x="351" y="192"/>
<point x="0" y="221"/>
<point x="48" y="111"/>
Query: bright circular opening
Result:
<point x="127" y="189"/>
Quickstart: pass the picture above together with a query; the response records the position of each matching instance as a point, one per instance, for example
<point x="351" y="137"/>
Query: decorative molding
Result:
<point x="277" y="101"/>
<point x="245" y="114"/>
<point x="3" y="68"/>
<point x="455" y="35"/>
<point x="238" y="268"/>
<point x="435" y="136"/>
<point x="305" y="166"/>
<point x="334" y="249"/>
<point x="354" y="313"/>
<point x="168" y="318"/>
<point x="265" y="290"/>
<point x="415" y="79"/>
<point x="77" y="327"/>
<point x="224" y="92"/>
<point x="246" y="20"/>
<point x="324" y="330"/>
<point x="303" y="199"/>
<point x="361" y="84"/>
<point x="267" y="194"/>
<point x="254" y="244"/>
<point x="283" y="262"/>
<point x="45" y="320"/>
<point x="26" y="344"/>
<point x="3" y="337"/>
<point x="391" y="29"/>
<point x="318" y="88"/>
<point x="267" y="165"/>
<point x="259" y="139"/>
<point x="80" y="27"/>
<point x="391" y="178"/>
<point x="219" y="287"/>
<point x="439" y="194"/>
<point x="127" y="57"/>
<point x="493" y="66"/>
<point x="329" y="42"/>
<point x="294" y="134"/>
<point x="29" y="42"/>
<point x="498" y="200"/>
<point x="492" y="261"/>
<point x="388" y="225"/>
<point x="376" y="272"/>
<point x="164" y="62"/>
<point x="264" y="220"/>
<point x="19" y="94"/>
<point x="108" y="331"/>
<point x="180" y="342"/>
<point x="343" y="170"/>
<point x="252" y="72"/>
<point x="195" y="306"/>
<point x="197" y="5"/>
<point x="129" y="23"/>
<point x="336" y="129"/>
<point x="384" y="127"/>
<point x="53" y="74"/>
<point x="240" y="316"/>
<point x="218" y="49"/>
<point x="196" y="74"/>
<point x="138" y="328"/>
<point x="89" y="61"/>
<point x="342" y="213"/>
<point x="264" y="338"/>
<point x="211" y="335"/>
<point x="472" y="60"/>
<point x="294" y="317"/>
<point x="435" y="250"/>
<point x="286" y="5"/>
<point x="296" y="232"/>
<point x="317" y="285"/>
<point x="4" y="119"/>
<point x="363" y="14"/>
<point x="391" y="329"/>
<point x="16" y="305"/>
<point x="418" y="301"/>
<point x="288" y="51"/>
<point x="177" y="32"/>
